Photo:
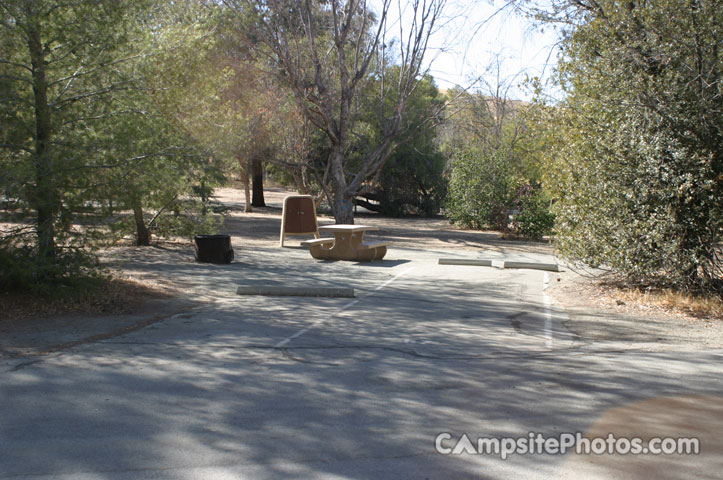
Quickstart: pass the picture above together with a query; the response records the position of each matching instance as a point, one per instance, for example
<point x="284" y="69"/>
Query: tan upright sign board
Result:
<point x="298" y="217"/>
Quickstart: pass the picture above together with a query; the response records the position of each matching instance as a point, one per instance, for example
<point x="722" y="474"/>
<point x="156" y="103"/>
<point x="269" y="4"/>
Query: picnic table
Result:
<point x="347" y="244"/>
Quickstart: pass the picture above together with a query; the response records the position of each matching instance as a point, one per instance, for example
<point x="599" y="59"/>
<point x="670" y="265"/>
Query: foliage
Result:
<point x="322" y="51"/>
<point x="534" y="219"/>
<point x="482" y="189"/>
<point x="187" y="224"/>
<point x="179" y="219"/>
<point x="412" y="180"/>
<point x="82" y="133"/>
<point x="638" y="169"/>
<point x="495" y="167"/>
<point x="20" y="271"/>
<point x="64" y="67"/>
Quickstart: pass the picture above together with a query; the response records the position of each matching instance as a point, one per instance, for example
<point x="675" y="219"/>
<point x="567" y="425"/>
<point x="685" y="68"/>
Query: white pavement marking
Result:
<point x="391" y="280"/>
<point x="548" y="313"/>
<point x="348" y="305"/>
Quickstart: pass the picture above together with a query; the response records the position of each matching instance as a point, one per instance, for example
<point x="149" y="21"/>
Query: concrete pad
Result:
<point x="276" y="291"/>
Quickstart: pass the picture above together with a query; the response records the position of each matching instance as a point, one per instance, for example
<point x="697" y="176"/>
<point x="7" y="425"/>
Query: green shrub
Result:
<point x="187" y="225"/>
<point x="535" y="219"/>
<point x="637" y="168"/>
<point x="21" y="269"/>
<point x="482" y="189"/>
<point x="411" y="183"/>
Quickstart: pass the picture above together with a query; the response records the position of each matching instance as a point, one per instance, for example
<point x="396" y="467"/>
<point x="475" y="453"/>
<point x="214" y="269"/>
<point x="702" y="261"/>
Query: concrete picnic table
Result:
<point x="347" y="244"/>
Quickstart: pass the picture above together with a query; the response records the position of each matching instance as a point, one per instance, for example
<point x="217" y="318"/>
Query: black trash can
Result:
<point x="213" y="248"/>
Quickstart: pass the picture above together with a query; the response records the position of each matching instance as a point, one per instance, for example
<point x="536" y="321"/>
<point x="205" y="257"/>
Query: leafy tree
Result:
<point x="64" y="68"/>
<point x="638" y="171"/>
<point x="412" y="180"/>
<point x="300" y="153"/>
<point x="323" y="51"/>
<point x="214" y="90"/>
<point x="494" y="167"/>
<point x="83" y="135"/>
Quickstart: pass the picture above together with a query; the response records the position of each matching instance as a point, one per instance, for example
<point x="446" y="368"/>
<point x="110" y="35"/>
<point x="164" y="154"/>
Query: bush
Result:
<point x="535" y="219"/>
<point x="21" y="269"/>
<point x="638" y="169"/>
<point x="482" y="189"/>
<point x="182" y="220"/>
<point x="411" y="183"/>
<point x="167" y="226"/>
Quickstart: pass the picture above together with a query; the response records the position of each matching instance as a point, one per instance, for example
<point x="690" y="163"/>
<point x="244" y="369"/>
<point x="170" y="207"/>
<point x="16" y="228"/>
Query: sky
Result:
<point x="474" y="40"/>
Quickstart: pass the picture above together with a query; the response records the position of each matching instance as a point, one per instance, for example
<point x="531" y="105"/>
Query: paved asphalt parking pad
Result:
<point x="340" y="388"/>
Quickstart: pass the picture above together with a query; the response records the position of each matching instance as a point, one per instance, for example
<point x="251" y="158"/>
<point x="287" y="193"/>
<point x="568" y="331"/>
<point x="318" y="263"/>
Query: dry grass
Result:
<point x="705" y="307"/>
<point x="115" y="294"/>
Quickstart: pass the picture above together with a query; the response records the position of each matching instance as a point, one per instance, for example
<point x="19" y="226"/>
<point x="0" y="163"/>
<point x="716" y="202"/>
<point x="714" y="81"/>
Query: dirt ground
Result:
<point x="261" y="227"/>
<point x="594" y="314"/>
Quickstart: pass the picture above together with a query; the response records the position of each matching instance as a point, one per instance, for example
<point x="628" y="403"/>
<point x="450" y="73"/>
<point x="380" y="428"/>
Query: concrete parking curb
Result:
<point x="550" y="267"/>
<point x="276" y="291"/>
<point x="465" y="261"/>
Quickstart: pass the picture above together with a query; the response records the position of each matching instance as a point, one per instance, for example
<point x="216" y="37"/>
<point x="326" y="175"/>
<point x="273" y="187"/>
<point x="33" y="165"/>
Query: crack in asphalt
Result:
<point x="22" y="365"/>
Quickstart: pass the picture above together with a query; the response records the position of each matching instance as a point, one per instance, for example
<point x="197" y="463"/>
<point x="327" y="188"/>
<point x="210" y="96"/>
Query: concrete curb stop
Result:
<point x="465" y="261"/>
<point x="550" y="267"/>
<point x="276" y="291"/>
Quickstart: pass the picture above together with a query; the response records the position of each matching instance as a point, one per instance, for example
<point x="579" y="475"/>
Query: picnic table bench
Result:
<point x="347" y="244"/>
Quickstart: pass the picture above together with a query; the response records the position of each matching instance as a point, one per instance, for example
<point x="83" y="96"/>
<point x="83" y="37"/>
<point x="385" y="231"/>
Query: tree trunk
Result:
<point x="257" y="173"/>
<point x="203" y="193"/>
<point x="143" y="235"/>
<point x="299" y="182"/>
<point x="342" y="206"/>
<point x="306" y="184"/>
<point x="343" y="209"/>
<point x="45" y="198"/>
<point x="245" y="180"/>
